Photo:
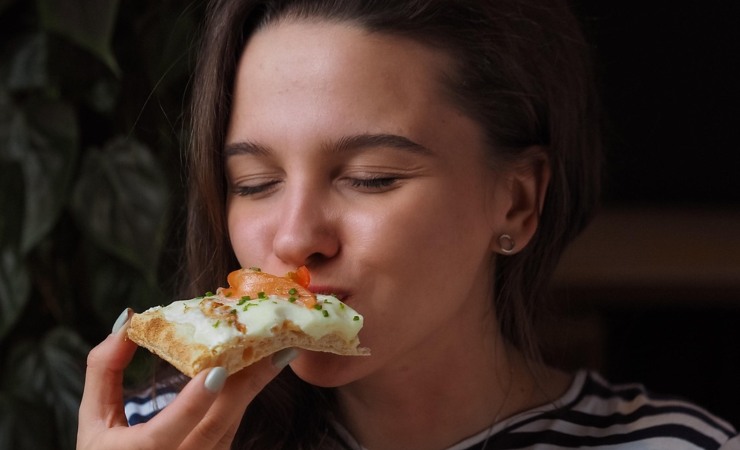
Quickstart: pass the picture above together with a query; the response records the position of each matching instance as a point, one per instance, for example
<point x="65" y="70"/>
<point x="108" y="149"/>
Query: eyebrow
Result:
<point x="361" y="141"/>
<point x="346" y="143"/>
<point x="245" y="148"/>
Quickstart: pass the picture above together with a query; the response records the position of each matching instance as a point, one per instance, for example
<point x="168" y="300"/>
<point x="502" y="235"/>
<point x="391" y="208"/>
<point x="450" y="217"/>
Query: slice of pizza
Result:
<point x="257" y="315"/>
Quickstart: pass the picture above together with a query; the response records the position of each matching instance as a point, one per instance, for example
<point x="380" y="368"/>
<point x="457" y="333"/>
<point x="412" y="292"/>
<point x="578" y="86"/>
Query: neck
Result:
<point x="448" y="393"/>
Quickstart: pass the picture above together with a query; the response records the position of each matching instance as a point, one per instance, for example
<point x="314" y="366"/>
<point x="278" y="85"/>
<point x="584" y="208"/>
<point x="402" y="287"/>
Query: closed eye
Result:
<point x="252" y="190"/>
<point x="375" y="184"/>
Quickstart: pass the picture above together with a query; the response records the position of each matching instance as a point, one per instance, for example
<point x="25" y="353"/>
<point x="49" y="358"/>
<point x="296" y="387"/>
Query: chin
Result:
<point x="326" y="369"/>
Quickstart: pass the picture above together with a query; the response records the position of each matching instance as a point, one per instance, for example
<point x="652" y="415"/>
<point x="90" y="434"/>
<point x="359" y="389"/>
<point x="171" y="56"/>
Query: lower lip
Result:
<point x="330" y="291"/>
<point x="342" y="298"/>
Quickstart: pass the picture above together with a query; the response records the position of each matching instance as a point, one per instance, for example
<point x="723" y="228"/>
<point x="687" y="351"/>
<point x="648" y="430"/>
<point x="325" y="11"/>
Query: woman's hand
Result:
<point x="205" y="414"/>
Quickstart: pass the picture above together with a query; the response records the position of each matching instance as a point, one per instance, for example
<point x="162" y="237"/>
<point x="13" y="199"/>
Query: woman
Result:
<point x="428" y="161"/>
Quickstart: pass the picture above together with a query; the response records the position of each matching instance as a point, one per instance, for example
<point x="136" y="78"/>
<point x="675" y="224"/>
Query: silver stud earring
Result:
<point x="506" y="243"/>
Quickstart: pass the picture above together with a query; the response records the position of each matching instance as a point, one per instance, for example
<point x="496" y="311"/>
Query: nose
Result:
<point x="306" y="233"/>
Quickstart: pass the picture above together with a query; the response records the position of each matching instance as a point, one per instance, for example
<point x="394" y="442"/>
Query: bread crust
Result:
<point x="175" y="343"/>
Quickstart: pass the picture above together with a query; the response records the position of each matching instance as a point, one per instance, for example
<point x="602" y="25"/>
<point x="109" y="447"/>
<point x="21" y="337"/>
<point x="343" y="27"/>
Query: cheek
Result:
<point x="416" y="243"/>
<point x="441" y="222"/>
<point x="249" y="235"/>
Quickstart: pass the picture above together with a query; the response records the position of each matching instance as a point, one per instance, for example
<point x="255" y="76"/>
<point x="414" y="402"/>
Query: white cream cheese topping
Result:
<point x="260" y="316"/>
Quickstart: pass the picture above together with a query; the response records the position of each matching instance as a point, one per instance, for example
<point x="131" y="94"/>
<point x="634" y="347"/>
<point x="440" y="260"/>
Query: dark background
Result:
<point x="669" y="74"/>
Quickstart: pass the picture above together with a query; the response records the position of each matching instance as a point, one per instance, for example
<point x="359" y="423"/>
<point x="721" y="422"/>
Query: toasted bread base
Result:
<point x="174" y="343"/>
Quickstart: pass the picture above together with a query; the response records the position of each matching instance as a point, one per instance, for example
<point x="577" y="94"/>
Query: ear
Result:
<point x="525" y="187"/>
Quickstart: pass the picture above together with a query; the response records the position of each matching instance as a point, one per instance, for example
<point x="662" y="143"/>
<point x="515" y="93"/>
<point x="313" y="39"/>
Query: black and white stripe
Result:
<point x="594" y="414"/>
<point x="145" y="405"/>
<point x="591" y="414"/>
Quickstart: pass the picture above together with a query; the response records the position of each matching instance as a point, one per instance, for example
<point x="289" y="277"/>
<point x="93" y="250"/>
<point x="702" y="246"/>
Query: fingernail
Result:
<point x="122" y="320"/>
<point x="284" y="357"/>
<point x="216" y="379"/>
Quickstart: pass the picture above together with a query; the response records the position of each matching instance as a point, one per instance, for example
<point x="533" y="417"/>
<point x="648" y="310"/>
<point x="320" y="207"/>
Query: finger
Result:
<point x="168" y="428"/>
<point x="173" y="424"/>
<point x="102" y="398"/>
<point x="101" y="406"/>
<point x="222" y="420"/>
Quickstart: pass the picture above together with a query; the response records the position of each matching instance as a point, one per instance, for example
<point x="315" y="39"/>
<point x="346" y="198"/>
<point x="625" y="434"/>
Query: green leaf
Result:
<point x="25" y="67"/>
<point x="15" y="285"/>
<point x="115" y="286"/>
<point x="11" y="203"/>
<point x="120" y="201"/>
<point x="8" y="111"/>
<point x="88" y="23"/>
<point x="102" y="96"/>
<point x="42" y="136"/>
<point x="51" y="371"/>
<point x="15" y="288"/>
<point x="169" y="63"/>
<point x="24" y="424"/>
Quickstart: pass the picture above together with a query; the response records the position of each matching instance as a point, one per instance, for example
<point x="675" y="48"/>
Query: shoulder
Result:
<point x="596" y="413"/>
<point x="634" y="413"/>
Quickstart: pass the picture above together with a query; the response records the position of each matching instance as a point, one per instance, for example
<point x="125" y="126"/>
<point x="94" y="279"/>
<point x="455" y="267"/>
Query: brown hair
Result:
<point x="523" y="73"/>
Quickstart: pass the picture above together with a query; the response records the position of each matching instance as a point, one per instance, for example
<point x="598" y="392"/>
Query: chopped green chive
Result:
<point x="356" y="318"/>
<point x="326" y="313"/>
<point x="244" y="299"/>
<point x="215" y="325"/>
<point x="292" y="299"/>
<point x="209" y="294"/>
<point x="317" y="306"/>
<point x="261" y="294"/>
<point x="292" y="291"/>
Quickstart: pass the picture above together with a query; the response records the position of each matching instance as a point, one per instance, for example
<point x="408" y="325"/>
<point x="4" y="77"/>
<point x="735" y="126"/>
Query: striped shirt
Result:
<point x="597" y="415"/>
<point x="591" y="414"/>
<point x="144" y="405"/>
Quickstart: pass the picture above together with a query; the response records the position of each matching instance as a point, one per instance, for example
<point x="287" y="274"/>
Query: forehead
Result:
<point x="343" y="41"/>
<point x="301" y="79"/>
<point x="332" y="56"/>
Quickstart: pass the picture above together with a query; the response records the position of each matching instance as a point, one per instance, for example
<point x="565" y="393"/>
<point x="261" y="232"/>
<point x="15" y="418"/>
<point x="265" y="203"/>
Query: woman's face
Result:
<point x="343" y="154"/>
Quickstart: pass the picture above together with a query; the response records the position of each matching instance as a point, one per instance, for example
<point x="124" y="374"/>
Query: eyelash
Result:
<point x="246" y="191"/>
<point x="374" y="183"/>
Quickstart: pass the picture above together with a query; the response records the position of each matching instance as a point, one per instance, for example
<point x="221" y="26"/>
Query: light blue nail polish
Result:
<point x="215" y="379"/>
<point x="284" y="357"/>
<point x="121" y="321"/>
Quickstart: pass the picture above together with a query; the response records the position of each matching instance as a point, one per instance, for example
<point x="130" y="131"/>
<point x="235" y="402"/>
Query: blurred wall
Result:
<point x="652" y="289"/>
